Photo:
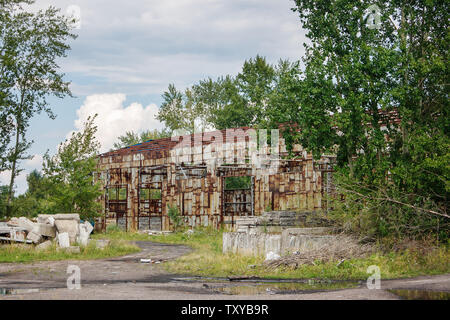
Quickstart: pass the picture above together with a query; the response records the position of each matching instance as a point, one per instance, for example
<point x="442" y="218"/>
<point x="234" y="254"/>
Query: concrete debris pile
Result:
<point x="275" y="234"/>
<point x="64" y="228"/>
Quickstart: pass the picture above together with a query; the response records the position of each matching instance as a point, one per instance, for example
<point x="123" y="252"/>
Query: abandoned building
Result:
<point x="195" y="173"/>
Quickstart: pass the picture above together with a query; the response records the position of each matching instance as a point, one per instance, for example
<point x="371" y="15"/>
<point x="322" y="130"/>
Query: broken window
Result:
<point x="150" y="194"/>
<point x="117" y="194"/>
<point x="234" y="183"/>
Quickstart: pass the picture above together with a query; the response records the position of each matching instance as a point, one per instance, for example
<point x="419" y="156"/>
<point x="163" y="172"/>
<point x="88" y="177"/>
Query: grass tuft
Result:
<point x="27" y="253"/>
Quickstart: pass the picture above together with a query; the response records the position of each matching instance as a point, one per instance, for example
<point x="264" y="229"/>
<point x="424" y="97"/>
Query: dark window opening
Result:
<point x="237" y="183"/>
<point x="150" y="194"/>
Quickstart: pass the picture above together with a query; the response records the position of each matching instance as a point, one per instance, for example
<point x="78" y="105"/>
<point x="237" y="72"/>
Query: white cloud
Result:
<point x="139" y="47"/>
<point x="114" y="119"/>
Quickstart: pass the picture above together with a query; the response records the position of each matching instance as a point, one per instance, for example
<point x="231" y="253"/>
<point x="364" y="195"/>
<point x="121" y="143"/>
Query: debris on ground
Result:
<point x="152" y="261"/>
<point x="146" y="260"/>
<point x="345" y="249"/>
<point x="272" y="256"/>
<point x="155" y="232"/>
<point x="64" y="228"/>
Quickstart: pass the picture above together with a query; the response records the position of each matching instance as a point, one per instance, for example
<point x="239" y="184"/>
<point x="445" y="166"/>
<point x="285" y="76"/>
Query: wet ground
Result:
<point x="128" y="278"/>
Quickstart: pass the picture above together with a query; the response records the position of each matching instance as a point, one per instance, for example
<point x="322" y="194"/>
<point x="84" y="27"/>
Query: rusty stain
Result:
<point x="195" y="182"/>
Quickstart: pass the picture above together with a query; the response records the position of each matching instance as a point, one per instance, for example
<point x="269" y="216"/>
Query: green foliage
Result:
<point x="31" y="44"/>
<point x="208" y="260"/>
<point x="393" y="175"/>
<point x="4" y="191"/>
<point x="180" y="111"/>
<point x="232" y="183"/>
<point x="227" y="102"/>
<point x="131" y="138"/>
<point x="19" y="254"/>
<point x="112" y="228"/>
<point x="71" y="174"/>
<point x="174" y="216"/>
<point x="374" y="211"/>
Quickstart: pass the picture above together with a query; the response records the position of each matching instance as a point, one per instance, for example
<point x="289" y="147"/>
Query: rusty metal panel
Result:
<point x="196" y="186"/>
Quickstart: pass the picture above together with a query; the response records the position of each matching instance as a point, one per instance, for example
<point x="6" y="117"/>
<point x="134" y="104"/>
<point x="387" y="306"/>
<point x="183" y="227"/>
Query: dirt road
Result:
<point x="127" y="278"/>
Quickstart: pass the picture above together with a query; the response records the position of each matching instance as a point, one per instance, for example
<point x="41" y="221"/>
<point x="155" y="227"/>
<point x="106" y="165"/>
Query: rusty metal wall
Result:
<point x="192" y="178"/>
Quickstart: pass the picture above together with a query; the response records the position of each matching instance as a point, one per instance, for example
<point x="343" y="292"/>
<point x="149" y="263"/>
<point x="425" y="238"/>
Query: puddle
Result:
<point x="9" y="291"/>
<point x="421" y="294"/>
<point x="283" y="288"/>
<point x="269" y="286"/>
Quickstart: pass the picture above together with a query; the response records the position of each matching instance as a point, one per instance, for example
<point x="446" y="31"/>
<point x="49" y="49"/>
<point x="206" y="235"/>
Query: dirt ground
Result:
<point x="126" y="277"/>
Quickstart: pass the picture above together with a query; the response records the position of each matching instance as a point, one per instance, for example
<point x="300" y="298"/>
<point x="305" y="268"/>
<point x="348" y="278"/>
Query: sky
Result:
<point x="128" y="52"/>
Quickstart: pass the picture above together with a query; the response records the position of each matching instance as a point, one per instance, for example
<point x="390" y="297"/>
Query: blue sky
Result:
<point x="128" y="52"/>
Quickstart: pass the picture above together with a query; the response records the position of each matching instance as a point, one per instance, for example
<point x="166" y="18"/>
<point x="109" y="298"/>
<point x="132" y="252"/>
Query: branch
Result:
<point x="399" y="202"/>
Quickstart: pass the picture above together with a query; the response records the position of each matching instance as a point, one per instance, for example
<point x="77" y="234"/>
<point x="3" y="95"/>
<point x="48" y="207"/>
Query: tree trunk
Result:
<point x="13" y="171"/>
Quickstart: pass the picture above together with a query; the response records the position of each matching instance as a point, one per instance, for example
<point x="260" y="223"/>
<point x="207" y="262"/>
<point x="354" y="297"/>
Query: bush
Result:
<point x="383" y="211"/>
<point x="111" y="228"/>
<point x="174" y="215"/>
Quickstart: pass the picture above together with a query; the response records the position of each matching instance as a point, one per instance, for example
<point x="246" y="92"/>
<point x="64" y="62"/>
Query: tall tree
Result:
<point x="31" y="45"/>
<point x="71" y="173"/>
<point x="374" y="91"/>
<point x="230" y="102"/>
<point x="180" y="111"/>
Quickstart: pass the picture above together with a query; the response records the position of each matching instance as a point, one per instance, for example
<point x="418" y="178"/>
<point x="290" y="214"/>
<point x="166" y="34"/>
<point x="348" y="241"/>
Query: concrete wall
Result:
<point x="289" y="240"/>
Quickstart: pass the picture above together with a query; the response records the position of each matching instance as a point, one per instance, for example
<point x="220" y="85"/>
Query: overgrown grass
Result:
<point x="208" y="260"/>
<point x="27" y="253"/>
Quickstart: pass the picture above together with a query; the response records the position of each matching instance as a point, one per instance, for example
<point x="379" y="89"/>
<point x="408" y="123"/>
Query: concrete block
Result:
<point x="307" y="231"/>
<point x="44" y="230"/>
<point x="67" y="216"/>
<point x="43" y="218"/>
<point x="34" y="237"/>
<point x="83" y="235"/>
<point x="25" y="223"/>
<point x="51" y="221"/>
<point x="63" y="240"/>
<point x="89" y="227"/>
<point x="70" y="249"/>
<point x="44" y="245"/>
<point x="17" y="234"/>
<point x="68" y="226"/>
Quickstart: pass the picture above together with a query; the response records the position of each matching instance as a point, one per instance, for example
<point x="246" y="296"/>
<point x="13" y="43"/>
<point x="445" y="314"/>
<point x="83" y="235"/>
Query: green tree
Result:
<point x="239" y="101"/>
<point x="3" y="197"/>
<point x="31" y="44"/>
<point x="227" y="102"/>
<point x="130" y="137"/>
<point x="180" y="111"/>
<point x="71" y="174"/>
<point x="357" y="80"/>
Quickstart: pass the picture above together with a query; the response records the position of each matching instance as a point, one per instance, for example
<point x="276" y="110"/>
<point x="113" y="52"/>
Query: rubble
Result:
<point x="69" y="226"/>
<point x="34" y="237"/>
<point x="63" y="240"/>
<point x="63" y="228"/>
<point x="44" y="245"/>
<point x="44" y="230"/>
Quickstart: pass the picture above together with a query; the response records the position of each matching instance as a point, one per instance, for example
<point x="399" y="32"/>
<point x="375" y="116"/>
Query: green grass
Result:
<point x="27" y="253"/>
<point x="208" y="260"/>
